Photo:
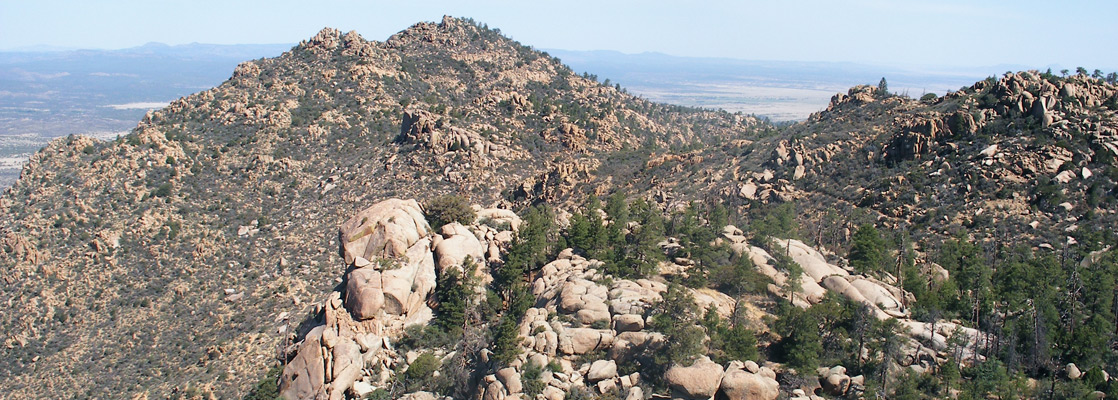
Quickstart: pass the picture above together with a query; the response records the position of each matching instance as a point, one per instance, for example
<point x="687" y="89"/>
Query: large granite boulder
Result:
<point x="305" y="375"/>
<point x="739" y="384"/>
<point x="698" y="381"/>
<point x="455" y="245"/>
<point x="384" y="230"/>
<point x="364" y="293"/>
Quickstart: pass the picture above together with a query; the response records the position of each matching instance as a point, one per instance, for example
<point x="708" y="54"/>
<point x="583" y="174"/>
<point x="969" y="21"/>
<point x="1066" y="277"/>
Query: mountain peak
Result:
<point x="326" y="38"/>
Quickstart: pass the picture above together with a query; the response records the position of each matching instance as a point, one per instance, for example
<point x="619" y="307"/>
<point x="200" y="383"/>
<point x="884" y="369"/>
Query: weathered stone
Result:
<point x="457" y="245"/>
<point x="877" y="294"/>
<point x="384" y="230"/>
<point x="935" y="272"/>
<point x="364" y="295"/>
<point x="706" y="298"/>
<point x="989" y="151"/>
<point x="628" y="323"/>
<point x="813" y="263"/>
<point x="511" y="379"/>
<point x="751" y="366"/>
<point x="554" y="393"/>
<point x="1073" y="371"/>
<point x="698" y="381"/>
<point x="835" y="384"/>
<point x="748" y="191"/>
<point x="419" y="396"/>
<point x="570" y="297"/>
<point x="499" y="216"/>
<point x="361" y="389"/>
<point x="588" y="316"/>
<point x="635" y="393"/>
<point x="606" y="386"/>
<point x="582" y="341"/>
<point x="744" y="385"/>
<point x="602" y="369"/>
<point x="494" y="391"/>
<point x="407" y="285"/>
<point x="347" y="364"/>
<point x="304" y="376"/>
<point x="1065" y="176"/>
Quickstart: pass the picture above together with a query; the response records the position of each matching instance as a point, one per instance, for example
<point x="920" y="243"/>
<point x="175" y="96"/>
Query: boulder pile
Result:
<point x="392" y="259"/>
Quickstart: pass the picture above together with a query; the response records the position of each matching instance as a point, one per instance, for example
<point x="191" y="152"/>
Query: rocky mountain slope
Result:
<point x="164" y="261"/>
<point x="1003" y="157"/>
<point x="187" y="258"/>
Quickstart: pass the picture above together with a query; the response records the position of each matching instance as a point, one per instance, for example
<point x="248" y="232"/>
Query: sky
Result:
<point x="960" y="33"/>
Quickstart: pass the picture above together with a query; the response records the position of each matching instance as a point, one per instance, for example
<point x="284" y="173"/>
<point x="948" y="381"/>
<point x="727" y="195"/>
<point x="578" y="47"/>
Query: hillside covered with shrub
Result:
<point x="451" y="213"/>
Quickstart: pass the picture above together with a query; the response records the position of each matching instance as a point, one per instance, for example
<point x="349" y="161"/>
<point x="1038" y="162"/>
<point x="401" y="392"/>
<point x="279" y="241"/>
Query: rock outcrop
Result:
<point x="331" y="357"/>
<point x="385" y="230"/>
<point x="382" y="294"/>
<point x="743" y="381"/>
<point x="456" y="245"/>
<point x="697" y="381"/>
<point x="424" y="129"/>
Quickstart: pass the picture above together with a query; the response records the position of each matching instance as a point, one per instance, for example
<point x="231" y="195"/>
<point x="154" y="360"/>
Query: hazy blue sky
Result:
<point x="945" y="32"/>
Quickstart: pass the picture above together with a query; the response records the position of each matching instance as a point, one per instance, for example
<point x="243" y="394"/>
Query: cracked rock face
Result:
<point x="385" y="230"/>
<point x="391" y="276"/>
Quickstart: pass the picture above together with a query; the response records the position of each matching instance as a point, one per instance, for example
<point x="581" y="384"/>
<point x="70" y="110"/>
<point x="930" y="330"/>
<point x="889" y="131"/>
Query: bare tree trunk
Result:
<point x="884" y="376"/>
<point x="1036" y="336"/>
<point x="1001" y="332"/>
<point x="1052" y="388"/>
<point x="1116" y="310"/>
<point x="978" y="336"/>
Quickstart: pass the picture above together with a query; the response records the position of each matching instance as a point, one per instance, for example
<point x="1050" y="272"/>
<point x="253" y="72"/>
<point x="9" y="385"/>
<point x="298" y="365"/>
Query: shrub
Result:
<point x="728" y="342"/>
<point x="739" y="343"/>
<point x="421" y="370"/>
<point x="443" y="210"/>
<point x="379" y="394"/>
<point x="267" y="388"/>
<point x="163" y="190"/>
<point x="738" y="277"/>
<point x="506" y="342"/>
<point x="578" y="393"/>
<point x="533" y="385"/>
<point x="777" y="222"/>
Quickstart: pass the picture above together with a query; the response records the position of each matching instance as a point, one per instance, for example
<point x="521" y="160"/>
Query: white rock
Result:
<point x="698" y="381"/>
<point x="602" y="369"/>
<point x="386" y="229"/>
<point x="635" y="393"/>
<point x="361" y="389"/>
<point x="989" y="151"/>
<point x="1065" y="177"/>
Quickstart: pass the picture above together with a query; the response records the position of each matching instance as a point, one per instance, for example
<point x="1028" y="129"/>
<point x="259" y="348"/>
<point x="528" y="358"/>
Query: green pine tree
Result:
<point x="867" y="252"/>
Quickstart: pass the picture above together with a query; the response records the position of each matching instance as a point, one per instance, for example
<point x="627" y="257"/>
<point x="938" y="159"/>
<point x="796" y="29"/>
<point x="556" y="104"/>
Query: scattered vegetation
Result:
<point x="445" y="209"/>
<point x="260" y="171"/>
